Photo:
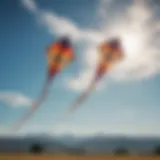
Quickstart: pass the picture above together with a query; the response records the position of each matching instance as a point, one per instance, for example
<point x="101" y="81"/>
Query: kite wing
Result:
<point x="59" y="56"/>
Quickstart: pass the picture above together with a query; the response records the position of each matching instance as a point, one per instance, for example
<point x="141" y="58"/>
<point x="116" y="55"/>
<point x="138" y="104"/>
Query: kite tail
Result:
<point x="82" y="97"/>
<point x="34" y="106"/>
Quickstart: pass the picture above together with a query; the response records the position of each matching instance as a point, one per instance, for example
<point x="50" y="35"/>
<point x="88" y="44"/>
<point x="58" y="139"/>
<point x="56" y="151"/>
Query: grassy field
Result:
<point x="64" y="157"/>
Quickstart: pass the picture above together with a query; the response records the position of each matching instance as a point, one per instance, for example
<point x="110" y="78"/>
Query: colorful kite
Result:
<point x="110" y="53"/>
<point x="59" y="56"/>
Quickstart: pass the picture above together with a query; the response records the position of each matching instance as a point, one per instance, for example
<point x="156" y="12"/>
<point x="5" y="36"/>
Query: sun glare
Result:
<point x="131" y="43"/>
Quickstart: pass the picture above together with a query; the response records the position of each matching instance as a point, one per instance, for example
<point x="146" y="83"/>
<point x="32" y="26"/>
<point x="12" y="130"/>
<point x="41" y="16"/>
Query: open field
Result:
<point x="64" y="157"/>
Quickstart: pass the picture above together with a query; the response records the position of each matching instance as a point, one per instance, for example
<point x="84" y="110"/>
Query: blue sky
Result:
<point x="125" y="102"/>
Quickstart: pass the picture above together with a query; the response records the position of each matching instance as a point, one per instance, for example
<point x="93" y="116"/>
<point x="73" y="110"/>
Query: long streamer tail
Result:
<point x="81" y="98"/>
<point x="34" y="106"/>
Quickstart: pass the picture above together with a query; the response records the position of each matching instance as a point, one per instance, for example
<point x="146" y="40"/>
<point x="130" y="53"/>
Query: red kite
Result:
<point x="110" y="53"/>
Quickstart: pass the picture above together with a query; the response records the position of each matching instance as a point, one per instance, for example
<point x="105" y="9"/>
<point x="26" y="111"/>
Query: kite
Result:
<point x="59" y="55"/>
<point x="110" y="53"/>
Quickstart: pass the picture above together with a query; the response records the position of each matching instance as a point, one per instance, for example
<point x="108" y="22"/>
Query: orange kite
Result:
<point x="110" y="53"/>
<point x="59" y="55"/>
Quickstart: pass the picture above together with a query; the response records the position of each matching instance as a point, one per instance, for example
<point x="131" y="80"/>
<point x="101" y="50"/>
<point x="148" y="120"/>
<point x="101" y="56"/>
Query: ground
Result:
<point x="65" y="157"/>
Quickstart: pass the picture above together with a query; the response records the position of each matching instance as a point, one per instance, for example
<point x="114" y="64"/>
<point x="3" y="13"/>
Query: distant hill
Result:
<point x="73" y="144"/>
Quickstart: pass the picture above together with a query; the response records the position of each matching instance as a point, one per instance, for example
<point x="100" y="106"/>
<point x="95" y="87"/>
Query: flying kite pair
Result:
<point x="60" y="54"/>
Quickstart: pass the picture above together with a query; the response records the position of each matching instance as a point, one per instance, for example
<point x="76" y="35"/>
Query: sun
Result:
<point x="131" y="43"/>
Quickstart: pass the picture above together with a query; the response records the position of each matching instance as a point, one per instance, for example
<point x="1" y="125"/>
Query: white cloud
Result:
<point x="142" y="56"/>
<point x="14" y="99"/>
<point x="136" y="25"/>
<point x="30" y="5"/>
<point x="62" y="26"/>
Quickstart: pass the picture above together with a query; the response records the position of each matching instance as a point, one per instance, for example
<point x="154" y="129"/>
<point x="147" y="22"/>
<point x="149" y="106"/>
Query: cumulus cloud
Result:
<point x="137" y="32"/>
<point x="135" y="23"/>
<point x="14" y="99"/>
